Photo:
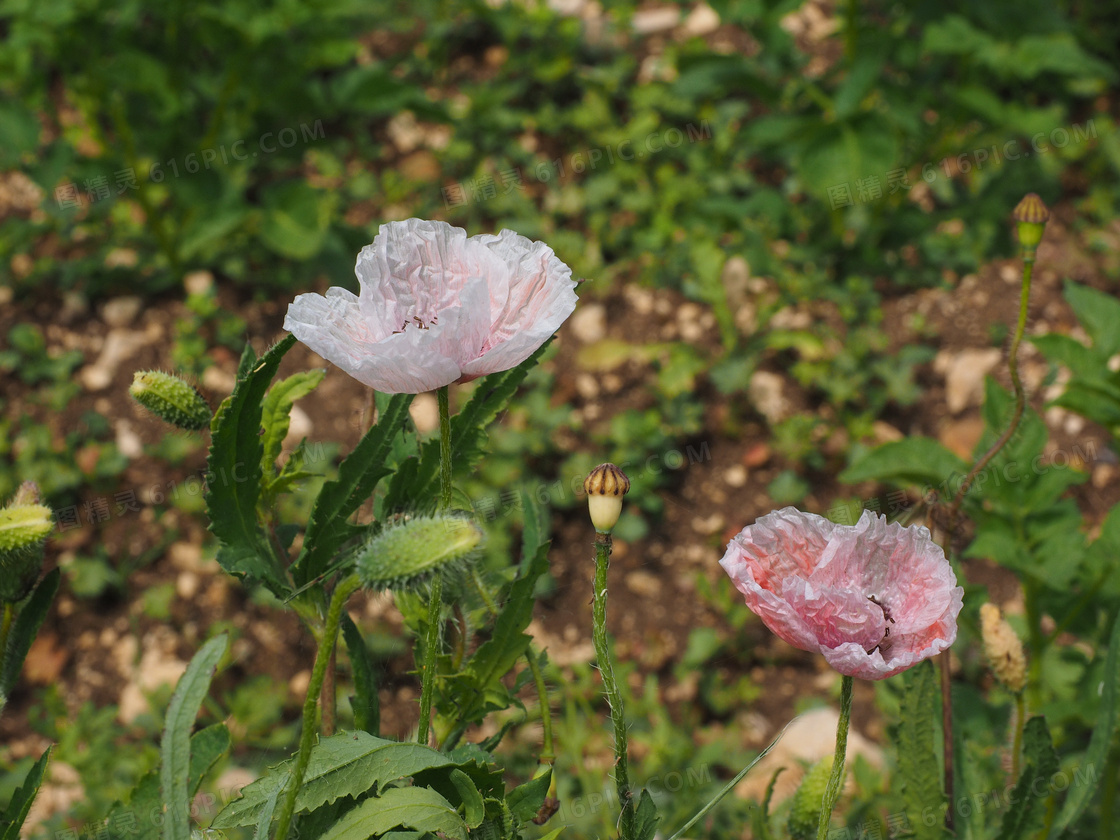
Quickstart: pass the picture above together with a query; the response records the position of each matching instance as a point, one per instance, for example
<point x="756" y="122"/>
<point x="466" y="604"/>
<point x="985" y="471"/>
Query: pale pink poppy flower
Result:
<point x="874" y="598"/>
<point x="436" y="307"/>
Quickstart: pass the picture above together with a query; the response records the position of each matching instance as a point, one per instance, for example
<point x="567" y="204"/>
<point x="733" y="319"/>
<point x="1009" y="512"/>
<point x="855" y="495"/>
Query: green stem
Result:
<point x="832" y="791"/>
<point x="435" y="599"/>
<point x="444" y="448"/>
<point x="431" y="651"/>
<point x="1110" y="790"/>
<point x="610" y="686"/>
<point x="1017" y="386"/>
<point x="342" y="591"/>
<point x="1017" y="740"/>
<point x="548" y="755"/>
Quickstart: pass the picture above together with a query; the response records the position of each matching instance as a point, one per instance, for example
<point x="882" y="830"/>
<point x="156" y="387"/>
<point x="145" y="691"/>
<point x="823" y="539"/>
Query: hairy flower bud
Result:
<point x="1030" y="216"/>
<point x="805" y="814"/>
<point x="605" y="486"/>
<point x="172" y="399"/>
<point x="24" y="526"/>
<point x="1003" y="649"/>
<point x="403" y="556"/>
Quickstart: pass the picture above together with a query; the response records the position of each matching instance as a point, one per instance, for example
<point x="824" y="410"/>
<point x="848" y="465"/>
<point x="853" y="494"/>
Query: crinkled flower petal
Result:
<point x="874" y="598"/>
<point x="436" y="306"/>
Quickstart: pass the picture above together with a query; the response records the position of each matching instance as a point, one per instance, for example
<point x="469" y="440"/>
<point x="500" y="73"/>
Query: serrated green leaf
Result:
<point x="526" y="800"/>
<point x="474" y="811"/>
<point x="346" y="764"/>
<point x="276" y="412"/>
<point x="358" y="476"/>
<point x="534" y="533"/>
<point x="140" y="819"/>
<point x="645" y="817"/>
<point x="207" y="747"/>
<point x="410" y="807"/>
<point x="26" y="625"/>
<point x="263" y="828"/>
<point x="915" y="460"/>
<point x="416" y="483"/>
<point x="11" y="821"/>
<point x="919" y="767"/>
<point x="498" y="654"/>
<point x="175" y="749"/>
<point x="1101" y="739"/>
<point x="1041" y="762"/>
<point x="234" y="476"/>
<point x="366" y="703"/>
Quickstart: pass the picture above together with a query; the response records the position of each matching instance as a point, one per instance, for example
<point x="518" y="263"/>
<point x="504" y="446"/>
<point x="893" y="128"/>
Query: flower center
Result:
<point x="884" y="643"/>
<point x="417" y="322"/>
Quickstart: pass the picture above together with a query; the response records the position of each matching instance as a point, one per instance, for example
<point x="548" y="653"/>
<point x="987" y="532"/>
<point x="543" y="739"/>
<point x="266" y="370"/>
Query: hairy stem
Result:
<point x="1017" y="386"/>
<point x="435" y="599"/>
<point x="610" y="686"/>
<point x="344" y="590"/>
<point x="832" y="791"/>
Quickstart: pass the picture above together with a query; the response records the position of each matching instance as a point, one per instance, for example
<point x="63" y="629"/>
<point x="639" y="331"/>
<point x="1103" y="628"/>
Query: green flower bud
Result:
<point x="805" y="813"/>
<point x="171" y="399"/>
<point x="1030" y="216"/>
<point x="605" y="486"/>
<point x="404" y="556"/>
<point x="24" y="526"/>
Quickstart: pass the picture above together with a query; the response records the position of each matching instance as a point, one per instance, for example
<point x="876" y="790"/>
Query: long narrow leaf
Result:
<point x="176" y="746"/>
<point x="1097" y="754"/>
<point x="11" y="821"/>
<point x="358" y="475"/>
<point x="26" y="625"/>
<point x="346" y="764"/>
<point x="366" y="703"/>
<point x="234" y="476"/>
<point x="918" y="764"/>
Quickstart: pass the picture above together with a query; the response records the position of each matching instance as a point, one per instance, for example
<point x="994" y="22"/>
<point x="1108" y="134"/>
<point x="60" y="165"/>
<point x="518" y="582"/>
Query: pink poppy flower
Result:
<point x="874" y="598"/>
<point x="437" y="307"/>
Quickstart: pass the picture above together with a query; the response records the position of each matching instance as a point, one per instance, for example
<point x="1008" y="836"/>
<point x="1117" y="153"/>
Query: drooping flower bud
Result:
<point x="605" y="486"/>
<point x="24" y="526"/>
<point x="1003" y="649"/>
<point x="805" y="814"/>
<point x="172" y="399"/>
<point x="403" y="556"/>
<point x="1030" y="216"/>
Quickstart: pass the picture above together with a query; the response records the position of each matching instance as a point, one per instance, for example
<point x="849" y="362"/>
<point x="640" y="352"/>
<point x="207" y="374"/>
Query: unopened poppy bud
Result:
<point x="24" y="525"/>
<point x="605" y="486"/>
<point x="172" y="399"/>
<point x="1003" y="649"/>
<point x="1030" y="216"/>
<point x="404" y="555"/>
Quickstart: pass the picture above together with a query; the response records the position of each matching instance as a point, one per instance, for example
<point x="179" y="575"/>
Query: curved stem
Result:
<point x="610" y="686"/>
<point x="343" y="591"/>
<point x="5" y="628"/>
<point x="832" y="791"/>
<point x="1017" y="386"/>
